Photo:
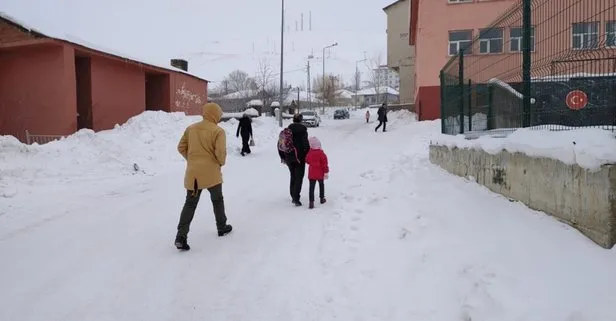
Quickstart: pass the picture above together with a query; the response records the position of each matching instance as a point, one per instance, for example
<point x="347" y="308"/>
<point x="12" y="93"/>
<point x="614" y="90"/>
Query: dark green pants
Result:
<point x="190" y="205"/>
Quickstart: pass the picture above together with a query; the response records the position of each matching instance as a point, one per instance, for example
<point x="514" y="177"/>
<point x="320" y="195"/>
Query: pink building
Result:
<point x="569" y="36"/>
<point x="438" y="29"/>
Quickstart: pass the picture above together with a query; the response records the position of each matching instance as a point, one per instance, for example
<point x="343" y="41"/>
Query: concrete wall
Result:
<point x="401" y="56"/>
<point x="583" y="199"/>
<point x="118" y="92"/>
<point x="37" y="91"/>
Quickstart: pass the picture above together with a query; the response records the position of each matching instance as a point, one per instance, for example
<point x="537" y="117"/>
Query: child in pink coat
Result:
<point x="318" y="170"/>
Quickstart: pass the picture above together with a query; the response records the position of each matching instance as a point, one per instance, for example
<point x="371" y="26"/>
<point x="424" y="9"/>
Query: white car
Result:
<point x="310" y="118"/>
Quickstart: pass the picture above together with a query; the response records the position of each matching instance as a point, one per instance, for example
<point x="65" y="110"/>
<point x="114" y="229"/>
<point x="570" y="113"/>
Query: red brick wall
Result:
<point x="10" y="33"/>
<point x="428" y="103"/>
<point x="188" y="94"/>
<point x="118" y="92"/>
<point x="37" y="92"/>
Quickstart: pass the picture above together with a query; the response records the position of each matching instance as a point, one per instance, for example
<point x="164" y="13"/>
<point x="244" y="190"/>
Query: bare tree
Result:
<point x="266" y="84"/>
<point x="240" y="82"/>
<point x="377" y="78"/>
<point x="328" y="91"/>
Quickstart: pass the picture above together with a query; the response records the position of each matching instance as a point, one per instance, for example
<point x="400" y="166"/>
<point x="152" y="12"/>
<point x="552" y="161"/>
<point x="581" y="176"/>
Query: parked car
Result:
<point x="310" y="118"/>
<point x="341" y="114"/>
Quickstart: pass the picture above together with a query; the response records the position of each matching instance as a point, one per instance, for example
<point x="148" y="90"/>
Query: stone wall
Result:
<point x="581" y="198"/>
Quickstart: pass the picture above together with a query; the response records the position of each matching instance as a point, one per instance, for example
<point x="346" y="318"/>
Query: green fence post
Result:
<point x="442" y="77"/>
<point x="470" y="104"/>
<point x="526" y="58"/>
<point x="490" y="106"/>
<point x="461" y="84"/>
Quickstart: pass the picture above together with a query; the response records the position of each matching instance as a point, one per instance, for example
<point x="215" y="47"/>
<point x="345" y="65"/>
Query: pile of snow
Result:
<point x="148" y="140"/>
<point x="250" y="112"/>
<point x="589" y="148"/>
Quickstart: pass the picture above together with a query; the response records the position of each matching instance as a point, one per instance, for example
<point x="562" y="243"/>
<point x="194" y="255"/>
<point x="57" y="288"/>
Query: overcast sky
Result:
<point x="201" y="29"/>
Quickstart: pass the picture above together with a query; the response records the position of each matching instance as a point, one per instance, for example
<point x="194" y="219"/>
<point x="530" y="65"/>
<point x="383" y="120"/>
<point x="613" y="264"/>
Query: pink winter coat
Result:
<point x="317" y="160"/>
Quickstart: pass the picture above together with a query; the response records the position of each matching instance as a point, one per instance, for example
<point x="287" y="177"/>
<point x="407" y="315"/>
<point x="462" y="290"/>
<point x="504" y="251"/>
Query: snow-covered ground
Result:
<point x="85" y="236"/>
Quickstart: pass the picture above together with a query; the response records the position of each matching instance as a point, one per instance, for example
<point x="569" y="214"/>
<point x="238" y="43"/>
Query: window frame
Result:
<point x="457" y="42"/>
<point x="585" y="35"/>
<point x="489" y="41"/>
<point x="533" y="39"/>
<point x="610" y="33"/>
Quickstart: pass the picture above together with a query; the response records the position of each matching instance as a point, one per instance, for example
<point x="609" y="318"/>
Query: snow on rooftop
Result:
<point x="372" y="91"/>
<point x="61" y="35"/>
<point x="506" y="86"/>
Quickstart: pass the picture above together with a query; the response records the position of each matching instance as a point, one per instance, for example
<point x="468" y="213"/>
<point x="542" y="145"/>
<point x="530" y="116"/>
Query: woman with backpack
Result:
<point x="293" y="146"/>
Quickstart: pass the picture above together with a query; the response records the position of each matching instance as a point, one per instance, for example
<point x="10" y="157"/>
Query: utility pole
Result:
<point x="280" y="101"/>
<point x="308" y="85"/>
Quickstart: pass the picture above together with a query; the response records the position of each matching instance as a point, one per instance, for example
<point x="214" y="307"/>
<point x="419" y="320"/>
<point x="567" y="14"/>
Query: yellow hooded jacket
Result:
<point x="204" y="146"/>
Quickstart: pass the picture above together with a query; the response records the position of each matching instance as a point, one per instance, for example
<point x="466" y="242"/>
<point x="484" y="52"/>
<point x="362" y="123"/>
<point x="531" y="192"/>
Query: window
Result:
<point x="586" y="35"/>
<point x="515" y="39"/>
<point x="460" y="40"/>
<point x="610" y="34"/>
<point x="491" y="40"/>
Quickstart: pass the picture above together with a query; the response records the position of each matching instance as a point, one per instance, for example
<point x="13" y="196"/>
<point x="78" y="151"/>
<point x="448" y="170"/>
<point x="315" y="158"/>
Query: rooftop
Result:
<point x="60" y="35"/>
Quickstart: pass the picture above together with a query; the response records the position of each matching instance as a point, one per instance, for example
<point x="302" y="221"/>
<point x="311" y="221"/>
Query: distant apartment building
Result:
<point x="400" y="55"/>
<point x="386" y="77"/>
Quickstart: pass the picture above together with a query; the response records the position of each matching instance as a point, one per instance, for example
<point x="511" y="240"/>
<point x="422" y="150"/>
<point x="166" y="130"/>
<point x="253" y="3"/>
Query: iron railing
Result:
<point x="541" y="64"/>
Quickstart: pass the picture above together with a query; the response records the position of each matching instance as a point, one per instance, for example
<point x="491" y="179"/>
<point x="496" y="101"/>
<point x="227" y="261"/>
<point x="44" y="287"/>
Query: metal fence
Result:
<point x="541" y="64"/>
<point x="41" y="139"/>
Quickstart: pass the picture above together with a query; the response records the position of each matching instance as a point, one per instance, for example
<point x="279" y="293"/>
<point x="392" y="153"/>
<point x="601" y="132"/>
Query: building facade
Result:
<point x="51" y="86"/>
<point x="400" y="55"/>
<point x="438" y="29"/>
<point x="386" y="77"/>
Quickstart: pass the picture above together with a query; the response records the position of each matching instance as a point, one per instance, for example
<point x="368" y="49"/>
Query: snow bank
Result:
<point x="589" y="148"/>
<point x="148" y="140"/>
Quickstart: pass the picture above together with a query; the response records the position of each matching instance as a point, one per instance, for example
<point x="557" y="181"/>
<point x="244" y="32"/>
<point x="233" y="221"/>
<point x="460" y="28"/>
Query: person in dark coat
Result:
<point x="382" y="117"/>
<point x="297" y="165"/>
<point x="245" y="128"/>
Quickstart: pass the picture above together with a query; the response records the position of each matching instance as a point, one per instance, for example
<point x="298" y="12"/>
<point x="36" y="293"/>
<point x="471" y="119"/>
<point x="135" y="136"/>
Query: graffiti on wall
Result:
<point x="185" y="99"/>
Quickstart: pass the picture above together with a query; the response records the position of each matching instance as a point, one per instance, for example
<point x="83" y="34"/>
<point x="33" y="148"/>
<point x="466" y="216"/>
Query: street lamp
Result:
<point x="357" y="78"/>
<point x="323" y="84"/>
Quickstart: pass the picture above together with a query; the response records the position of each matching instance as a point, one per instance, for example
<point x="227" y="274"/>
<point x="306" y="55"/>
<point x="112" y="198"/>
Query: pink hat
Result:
<point x="314" y="143"/>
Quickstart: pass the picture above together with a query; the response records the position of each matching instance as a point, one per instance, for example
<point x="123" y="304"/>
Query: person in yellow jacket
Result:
<point x="204" y="146"/>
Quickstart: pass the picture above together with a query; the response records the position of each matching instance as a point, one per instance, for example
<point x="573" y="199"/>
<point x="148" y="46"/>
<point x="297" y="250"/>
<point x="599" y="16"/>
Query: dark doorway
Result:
<point x="157" y="95"/>
<point x="83" y="73"/>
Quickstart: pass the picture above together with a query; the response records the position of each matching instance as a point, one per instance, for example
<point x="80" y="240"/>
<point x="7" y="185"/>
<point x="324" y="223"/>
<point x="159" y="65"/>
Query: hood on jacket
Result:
<point x="315" y="143"/>
<point x="212" y="112"/>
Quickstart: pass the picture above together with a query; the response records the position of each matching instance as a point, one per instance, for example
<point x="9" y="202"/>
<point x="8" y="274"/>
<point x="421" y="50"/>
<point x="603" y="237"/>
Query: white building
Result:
<point x="387" y="77"/>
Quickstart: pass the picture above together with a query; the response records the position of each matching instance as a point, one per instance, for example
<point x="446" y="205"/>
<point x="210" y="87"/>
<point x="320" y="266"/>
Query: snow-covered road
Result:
<point x="399" y="239"/>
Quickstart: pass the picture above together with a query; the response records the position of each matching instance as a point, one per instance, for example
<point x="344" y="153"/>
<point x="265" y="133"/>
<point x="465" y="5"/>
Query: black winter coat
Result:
<point x="382" y="113"/>
<point x="300" y="140"/>
<point x="244" y="127"/>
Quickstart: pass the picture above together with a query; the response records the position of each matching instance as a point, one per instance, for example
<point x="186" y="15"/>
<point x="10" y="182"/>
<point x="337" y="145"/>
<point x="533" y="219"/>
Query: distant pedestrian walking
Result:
<point x="382" y="117"/>
<point x="204" y="147"/>
<point x="367" y="116"/>
<point x="293" y="146"/>
<point x="245" y="129"/>
<point x="318" y="170"/>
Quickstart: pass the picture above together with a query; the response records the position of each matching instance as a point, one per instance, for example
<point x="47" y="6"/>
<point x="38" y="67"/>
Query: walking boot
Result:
<point x="225" y="230"/>
<point x="181" y="243"/>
